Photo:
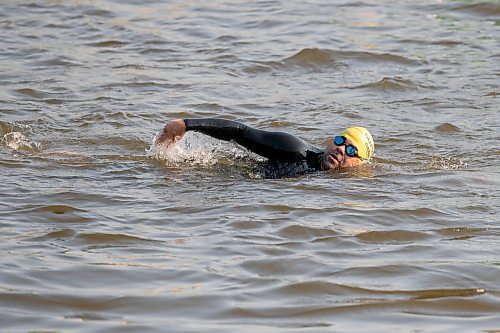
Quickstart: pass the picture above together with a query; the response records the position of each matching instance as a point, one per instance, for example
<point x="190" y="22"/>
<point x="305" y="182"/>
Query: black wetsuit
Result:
<point x="287" y="154"/>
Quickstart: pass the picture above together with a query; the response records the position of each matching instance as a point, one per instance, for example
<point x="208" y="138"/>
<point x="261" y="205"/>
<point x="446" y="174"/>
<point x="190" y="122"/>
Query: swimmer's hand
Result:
<point x="173" y="131"/>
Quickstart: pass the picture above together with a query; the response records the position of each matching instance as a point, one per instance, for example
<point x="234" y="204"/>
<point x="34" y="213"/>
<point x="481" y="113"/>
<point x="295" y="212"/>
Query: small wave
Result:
<point x="462" y="233"/>
<point x="263" y="67"/>
<point x="57" y="62"/>
<point x="314" y="58"/>
<point x="55" y="213"/>
<point x="155" y="50"/>
<point x="310" y="57"/>
<point x="297" y="232"/>
<point x="6" y="127"/>
<point x="208" y="107"/>
<point x="144" y="84"/>
<point x="482" y="8"/>
<point x="36" y="94"/>
<point x="447" y="128"/>
<point x="58" y="209"/>
<point x="492" y="94"/>
<point x="371" y="57"/>
<point x="33" y="93"/>
<point x="54" y="235"/>
<point x="441" y="42"/>
<point x="109" y="43"/>
<point x="392" y="236"/>
<point x="99" y="13"/>
<point x="105" y="238"/>
<point x="388" y="84"/>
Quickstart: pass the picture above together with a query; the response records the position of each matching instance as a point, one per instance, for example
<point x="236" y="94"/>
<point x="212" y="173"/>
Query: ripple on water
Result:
<point x="487" y="9"/>
<point x="310" y="57"/>
<point x="302" y="232"/>
<point x="54" y="235"/>
<point x="34" y="93"/>
<point x="326" y="59"/>
<point x="52" y="98"/>
<point x="369" y="305"/>
<point x="447" y="128"/>
<point x="56" y="62"/>
<point x="393" y="236"/>
<point x="283" y="267"/>
<point x="390" y="84"/>
<point x="327" y="56"/>
<point x="462" y="233"/>
<point x="109" y="43"/>
<point x="50" y="213"/>
<point x="381" y="217"/>
<point x="110" y="239"/>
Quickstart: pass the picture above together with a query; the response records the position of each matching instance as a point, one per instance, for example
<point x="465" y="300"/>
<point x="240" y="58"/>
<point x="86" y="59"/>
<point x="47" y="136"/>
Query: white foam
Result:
<point x="198" y="149"/>
<point x="445" y="163"/>
<point x="19" y="142"/>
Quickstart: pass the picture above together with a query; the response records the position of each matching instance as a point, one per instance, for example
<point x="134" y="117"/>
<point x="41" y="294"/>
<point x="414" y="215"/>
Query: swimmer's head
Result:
<point x="362" y="140"/>
<point x="351" y="148"/>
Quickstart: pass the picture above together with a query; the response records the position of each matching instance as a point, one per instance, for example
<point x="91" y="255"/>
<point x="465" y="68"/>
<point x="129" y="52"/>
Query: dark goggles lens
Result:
<point x="339" y="140"/>
<point x="350" y="150"/>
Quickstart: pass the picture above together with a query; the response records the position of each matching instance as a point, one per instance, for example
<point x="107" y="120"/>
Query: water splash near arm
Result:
<point x="197" y="149"/>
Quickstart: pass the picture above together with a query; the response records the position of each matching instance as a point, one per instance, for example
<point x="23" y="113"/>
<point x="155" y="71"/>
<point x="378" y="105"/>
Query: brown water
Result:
<point x="101" y="232"/>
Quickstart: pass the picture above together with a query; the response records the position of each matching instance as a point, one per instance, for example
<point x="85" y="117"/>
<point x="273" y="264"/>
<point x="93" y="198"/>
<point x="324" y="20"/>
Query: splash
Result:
<point x="196" y="149"/>
<point x="445" y="163"/>
<point x="19" y="142"/>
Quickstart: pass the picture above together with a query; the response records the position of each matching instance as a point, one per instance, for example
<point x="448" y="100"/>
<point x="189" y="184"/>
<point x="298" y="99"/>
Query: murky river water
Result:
<point x="101" y="232"/>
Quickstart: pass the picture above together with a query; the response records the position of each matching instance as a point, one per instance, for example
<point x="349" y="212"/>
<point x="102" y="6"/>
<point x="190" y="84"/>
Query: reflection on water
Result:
<point x="103" y="231"/>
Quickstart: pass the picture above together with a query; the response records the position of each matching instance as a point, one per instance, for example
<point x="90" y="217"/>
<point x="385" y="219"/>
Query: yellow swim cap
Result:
<point x="362" y="139"/>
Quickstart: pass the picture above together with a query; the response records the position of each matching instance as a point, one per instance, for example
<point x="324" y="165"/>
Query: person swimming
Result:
<point x="351" y="148"/>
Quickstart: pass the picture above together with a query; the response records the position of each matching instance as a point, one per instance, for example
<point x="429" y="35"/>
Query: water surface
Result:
<point x="102" y="232"/>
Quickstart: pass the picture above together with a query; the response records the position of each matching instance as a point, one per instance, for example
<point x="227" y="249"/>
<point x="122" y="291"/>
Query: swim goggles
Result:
<point x="350" y="150"/>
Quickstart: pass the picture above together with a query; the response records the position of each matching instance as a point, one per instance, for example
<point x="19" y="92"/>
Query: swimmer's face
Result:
<point x="335" y="157"/>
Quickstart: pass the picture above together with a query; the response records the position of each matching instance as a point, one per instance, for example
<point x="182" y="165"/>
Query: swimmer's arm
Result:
<point x="277" y="146"/>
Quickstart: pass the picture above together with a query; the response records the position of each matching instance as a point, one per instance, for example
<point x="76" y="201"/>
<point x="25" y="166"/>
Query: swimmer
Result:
<point x="351" y="148"/>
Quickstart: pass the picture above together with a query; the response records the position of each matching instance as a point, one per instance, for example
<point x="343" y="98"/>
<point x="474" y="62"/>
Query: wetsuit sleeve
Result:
<point x="276" y="146"/>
